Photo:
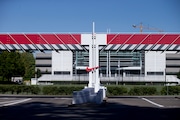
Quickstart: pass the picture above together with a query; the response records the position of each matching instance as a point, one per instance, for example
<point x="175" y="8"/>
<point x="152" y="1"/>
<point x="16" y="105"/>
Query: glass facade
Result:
<point x="110" y="62"/>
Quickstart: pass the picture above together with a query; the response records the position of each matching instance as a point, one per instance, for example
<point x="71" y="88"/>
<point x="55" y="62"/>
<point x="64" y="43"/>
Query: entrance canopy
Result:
<point x="73" y="42"/>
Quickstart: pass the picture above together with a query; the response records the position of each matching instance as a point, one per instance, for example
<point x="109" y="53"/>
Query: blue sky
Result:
<point x="78" y="15"/>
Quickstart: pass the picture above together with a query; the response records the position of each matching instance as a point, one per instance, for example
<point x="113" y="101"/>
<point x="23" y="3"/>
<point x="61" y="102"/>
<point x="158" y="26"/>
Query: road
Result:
<point x="57" y="108"/>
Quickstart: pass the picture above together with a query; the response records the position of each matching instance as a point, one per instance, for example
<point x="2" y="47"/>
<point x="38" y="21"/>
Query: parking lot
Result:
<point x="58" y="108"/>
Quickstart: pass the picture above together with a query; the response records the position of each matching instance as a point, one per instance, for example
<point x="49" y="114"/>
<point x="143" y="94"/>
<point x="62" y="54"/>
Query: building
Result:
<point x="123" y="57"/>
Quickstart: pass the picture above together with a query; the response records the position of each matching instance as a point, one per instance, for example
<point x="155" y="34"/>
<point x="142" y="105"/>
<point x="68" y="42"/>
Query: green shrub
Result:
<point x="61" y="90"/>
<point x="68" y="90"/>
<point x="19" y="89"/>
<point x="4" y="88"/>
<point x="135" y="91"/>
<point x="34" y="90"/>
<point x="142" y="91"/>
<point x="116" y="90"/>
<point x="172" y="90"/>
<point x="50" y="90"/>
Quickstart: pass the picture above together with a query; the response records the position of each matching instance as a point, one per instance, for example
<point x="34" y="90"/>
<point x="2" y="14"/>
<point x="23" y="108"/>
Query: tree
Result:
<point x="11" y="65"/>
<point x="38" y="73"/>
<point x="29" y="64"/>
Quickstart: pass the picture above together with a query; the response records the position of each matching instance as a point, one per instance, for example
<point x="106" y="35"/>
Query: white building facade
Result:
<point x="127" y="63"/>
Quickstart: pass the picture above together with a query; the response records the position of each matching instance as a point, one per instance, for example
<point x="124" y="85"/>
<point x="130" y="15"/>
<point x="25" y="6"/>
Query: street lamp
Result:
<point x="118" y="72"/>
<point x="166" y="82"/>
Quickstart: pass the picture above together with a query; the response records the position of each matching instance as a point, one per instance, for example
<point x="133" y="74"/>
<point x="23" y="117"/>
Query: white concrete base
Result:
<point x="87" y="95"/>
<point x="33" y="81"/>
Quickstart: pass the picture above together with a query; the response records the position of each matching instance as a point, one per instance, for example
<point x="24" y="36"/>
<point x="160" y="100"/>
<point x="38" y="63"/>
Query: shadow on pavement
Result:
<point x="49" y="111"/>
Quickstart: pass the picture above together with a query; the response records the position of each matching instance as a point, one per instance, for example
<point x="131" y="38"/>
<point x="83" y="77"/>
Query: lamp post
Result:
<point x="166" y="82"/>
<point x="122" y="75"/>
<point x="118" y="72"/>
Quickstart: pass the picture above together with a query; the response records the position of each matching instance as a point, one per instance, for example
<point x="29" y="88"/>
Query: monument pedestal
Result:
<point x="94" y="93"/>
<point x="87" y="95"/>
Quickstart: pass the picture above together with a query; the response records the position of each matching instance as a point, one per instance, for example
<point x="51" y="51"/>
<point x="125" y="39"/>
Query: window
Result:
<point x="62" y="72"/>
<point x="155" y="73"/>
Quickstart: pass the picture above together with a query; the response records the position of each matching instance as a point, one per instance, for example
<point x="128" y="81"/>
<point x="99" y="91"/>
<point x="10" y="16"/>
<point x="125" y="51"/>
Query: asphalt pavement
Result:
<point x="60" y="108"/>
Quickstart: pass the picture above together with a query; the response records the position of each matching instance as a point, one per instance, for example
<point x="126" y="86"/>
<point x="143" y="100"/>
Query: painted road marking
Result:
<point x="152" y="102"/>
<point x="64" y="98"/>
<point x="13" y="102"/>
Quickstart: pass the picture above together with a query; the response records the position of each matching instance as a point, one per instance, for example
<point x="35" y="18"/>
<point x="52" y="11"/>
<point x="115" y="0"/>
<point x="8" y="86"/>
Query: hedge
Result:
<point x="61" y="90"/>
<point x="172" y="90"/>
<point x="17" y="89"/>
<point x="143" y="91"/>
<point x="112" y="90"/>
<point x="116" y="90"/>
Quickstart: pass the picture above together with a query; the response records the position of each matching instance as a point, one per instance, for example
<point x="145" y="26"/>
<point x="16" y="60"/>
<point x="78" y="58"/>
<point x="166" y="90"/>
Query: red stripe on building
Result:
<point x="40" y="38"/>
<point x="70" y="38"/>
<point x="6" y="39"/>
<point x="143" y="39"/>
